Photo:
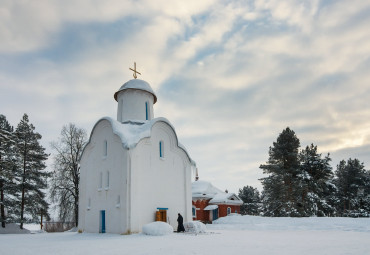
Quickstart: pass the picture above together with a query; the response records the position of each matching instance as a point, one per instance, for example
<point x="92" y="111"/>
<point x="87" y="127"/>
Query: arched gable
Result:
<point x="132" y="132"/>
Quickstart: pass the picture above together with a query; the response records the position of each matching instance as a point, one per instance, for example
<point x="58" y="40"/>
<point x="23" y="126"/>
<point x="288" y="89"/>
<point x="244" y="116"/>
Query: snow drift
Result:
<point x="157" y="228"/>
<point x="195" y="227"/>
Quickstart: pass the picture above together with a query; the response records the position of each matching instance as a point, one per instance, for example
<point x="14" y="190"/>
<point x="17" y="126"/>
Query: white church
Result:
<point x="133" y="170"/>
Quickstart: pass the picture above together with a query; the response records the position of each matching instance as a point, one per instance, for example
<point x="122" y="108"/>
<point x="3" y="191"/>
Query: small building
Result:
<point x="133" y="170"/>
<point x="210" y="203"/>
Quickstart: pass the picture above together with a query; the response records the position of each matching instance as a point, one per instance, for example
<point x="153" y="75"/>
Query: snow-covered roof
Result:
<point x="131" y="132"/>
<point x="139" y="85"/>
<point x="226" y="198"/>
<point x="210" y="207"/>
<point x="205" y="190"/>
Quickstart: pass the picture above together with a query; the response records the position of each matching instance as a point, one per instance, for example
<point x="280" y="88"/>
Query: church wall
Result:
<point x="131" y="105"/>
<point x="160" y="182"/>
<point x="94" y="187"/>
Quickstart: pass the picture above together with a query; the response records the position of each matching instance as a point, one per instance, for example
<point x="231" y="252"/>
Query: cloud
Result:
<point x="230" y="76"/>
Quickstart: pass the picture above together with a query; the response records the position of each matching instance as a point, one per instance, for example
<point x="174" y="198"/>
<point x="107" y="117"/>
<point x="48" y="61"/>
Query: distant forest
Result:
<point x="301" y="183"/>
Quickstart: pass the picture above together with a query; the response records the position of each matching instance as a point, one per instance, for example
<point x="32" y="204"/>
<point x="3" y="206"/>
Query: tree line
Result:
<point x="301" y="183"/>
<point x="24" y="179"/>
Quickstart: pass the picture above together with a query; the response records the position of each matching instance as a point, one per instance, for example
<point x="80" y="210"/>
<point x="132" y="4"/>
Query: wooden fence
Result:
<point x="58" y="226"/>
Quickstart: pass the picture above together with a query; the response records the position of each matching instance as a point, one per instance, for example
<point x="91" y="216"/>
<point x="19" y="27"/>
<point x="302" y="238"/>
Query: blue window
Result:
<point x="146" y="111"/>
<point x="161" y="152"/>
<point x="228" y="210"/>
<point x="102" y="222"/>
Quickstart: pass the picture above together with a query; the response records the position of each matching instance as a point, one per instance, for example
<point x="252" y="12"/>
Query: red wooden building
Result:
<point x="210" y="203"/>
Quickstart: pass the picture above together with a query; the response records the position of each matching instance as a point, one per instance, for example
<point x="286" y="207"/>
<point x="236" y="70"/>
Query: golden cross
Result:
<point x="134" y="70"/>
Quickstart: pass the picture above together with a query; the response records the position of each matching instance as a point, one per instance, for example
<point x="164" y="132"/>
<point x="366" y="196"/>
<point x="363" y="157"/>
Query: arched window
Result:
<point x="118" y="205"/>
<point x="146" y="111"/>
<point x="100" y="180"/>
<point x="107" y="184"/>
<point x="228" y="210"/>
<point x="105" y="148"/>
<point x="161" y="149"/>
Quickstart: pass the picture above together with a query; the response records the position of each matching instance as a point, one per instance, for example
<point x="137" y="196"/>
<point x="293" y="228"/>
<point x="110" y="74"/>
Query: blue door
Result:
<point x="102" y="221"/>
<point x="215" y="214"/>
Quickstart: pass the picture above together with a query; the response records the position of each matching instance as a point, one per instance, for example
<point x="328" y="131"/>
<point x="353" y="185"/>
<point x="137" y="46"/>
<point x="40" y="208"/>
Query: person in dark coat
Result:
<point x="180" y="221"/>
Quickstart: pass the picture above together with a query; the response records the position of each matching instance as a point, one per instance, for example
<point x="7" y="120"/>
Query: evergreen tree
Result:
<point x="279" y="194"/>
<point x="66" y="175"/>
<point x="351" y="181"/>
<point x="316" y="175"/>
<point x="251" y="200"/>
<point x="365" y="196"/>
<point x="8" y="188"/>
<point x="31" y="162"/>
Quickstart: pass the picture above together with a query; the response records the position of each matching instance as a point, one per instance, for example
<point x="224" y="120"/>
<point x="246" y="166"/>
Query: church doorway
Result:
<point x="215" y="214"/>
<point x="102" y="221"/>
<point x="161" y="214"/>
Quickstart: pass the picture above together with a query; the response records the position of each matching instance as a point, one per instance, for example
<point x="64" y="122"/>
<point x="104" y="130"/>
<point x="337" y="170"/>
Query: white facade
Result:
<point x="133" y="166"/>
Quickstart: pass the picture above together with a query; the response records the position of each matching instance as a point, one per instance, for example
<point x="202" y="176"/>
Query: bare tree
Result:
<point x="66" y="175"/>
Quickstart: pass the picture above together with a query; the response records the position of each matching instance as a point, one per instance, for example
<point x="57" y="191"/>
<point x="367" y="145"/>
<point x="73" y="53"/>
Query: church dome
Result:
<point x="138" y="85"/>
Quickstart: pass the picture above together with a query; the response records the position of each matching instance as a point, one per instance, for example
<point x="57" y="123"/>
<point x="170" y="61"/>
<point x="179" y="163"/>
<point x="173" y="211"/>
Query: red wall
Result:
<point x="204" y="215"/>
<point x="222" y="209"/>
<point x="201" y="215"/>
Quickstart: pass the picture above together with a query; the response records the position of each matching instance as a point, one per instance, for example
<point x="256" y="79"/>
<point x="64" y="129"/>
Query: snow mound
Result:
<point x="247" y="222"/>
<point x="157" y="228"/>
<point x="195" y="227"/>
<point x="13" y="228"/>
<point x="75" y="229"/>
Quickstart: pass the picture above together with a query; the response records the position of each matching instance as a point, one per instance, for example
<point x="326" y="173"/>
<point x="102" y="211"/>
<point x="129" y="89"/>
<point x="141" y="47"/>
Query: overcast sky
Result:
<point x="229" y="75"/>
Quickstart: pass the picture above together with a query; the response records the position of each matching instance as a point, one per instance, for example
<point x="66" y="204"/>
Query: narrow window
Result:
<point x="146" y="111"/>
<point x="118" y="201"/>
<point x="228" y="210"/>
<point x="161" y="149"/>
<point x="105" y="148"/>
<point x="101" y="180"/>
<point x="107" y="184"/>
<point x="194" y="210"/>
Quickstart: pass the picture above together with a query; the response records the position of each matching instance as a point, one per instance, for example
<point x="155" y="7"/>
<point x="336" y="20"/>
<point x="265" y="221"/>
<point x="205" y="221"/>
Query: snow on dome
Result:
<point x="139" y="85"/>
<point x="157" y="228"/>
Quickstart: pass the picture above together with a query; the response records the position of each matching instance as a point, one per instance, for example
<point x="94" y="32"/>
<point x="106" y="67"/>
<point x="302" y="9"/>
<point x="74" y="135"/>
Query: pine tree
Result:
<point x="66" y="175"/>
<point x="279" y="195"/>
<point x="351" y="181"/>
<point x="8" y="188"/>
<point x="31" y="162"/>
<point x="251" y="200"/>
<point x="316" y="175"/>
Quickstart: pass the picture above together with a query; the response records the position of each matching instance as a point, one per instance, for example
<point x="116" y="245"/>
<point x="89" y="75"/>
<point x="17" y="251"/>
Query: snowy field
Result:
<point x="231" y="235"/>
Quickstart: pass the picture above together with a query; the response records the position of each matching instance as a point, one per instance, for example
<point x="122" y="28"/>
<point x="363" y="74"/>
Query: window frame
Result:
<point x="100" y="187"/>
<point x="161" y="149"/>
<point x="146" y="110"/>
<point x="107" y="181"/>
<point x="105" y="148"/>
<point x="194" y="211"/>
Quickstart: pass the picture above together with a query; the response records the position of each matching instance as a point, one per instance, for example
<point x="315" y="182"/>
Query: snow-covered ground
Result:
<point x="230" y="235"/>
